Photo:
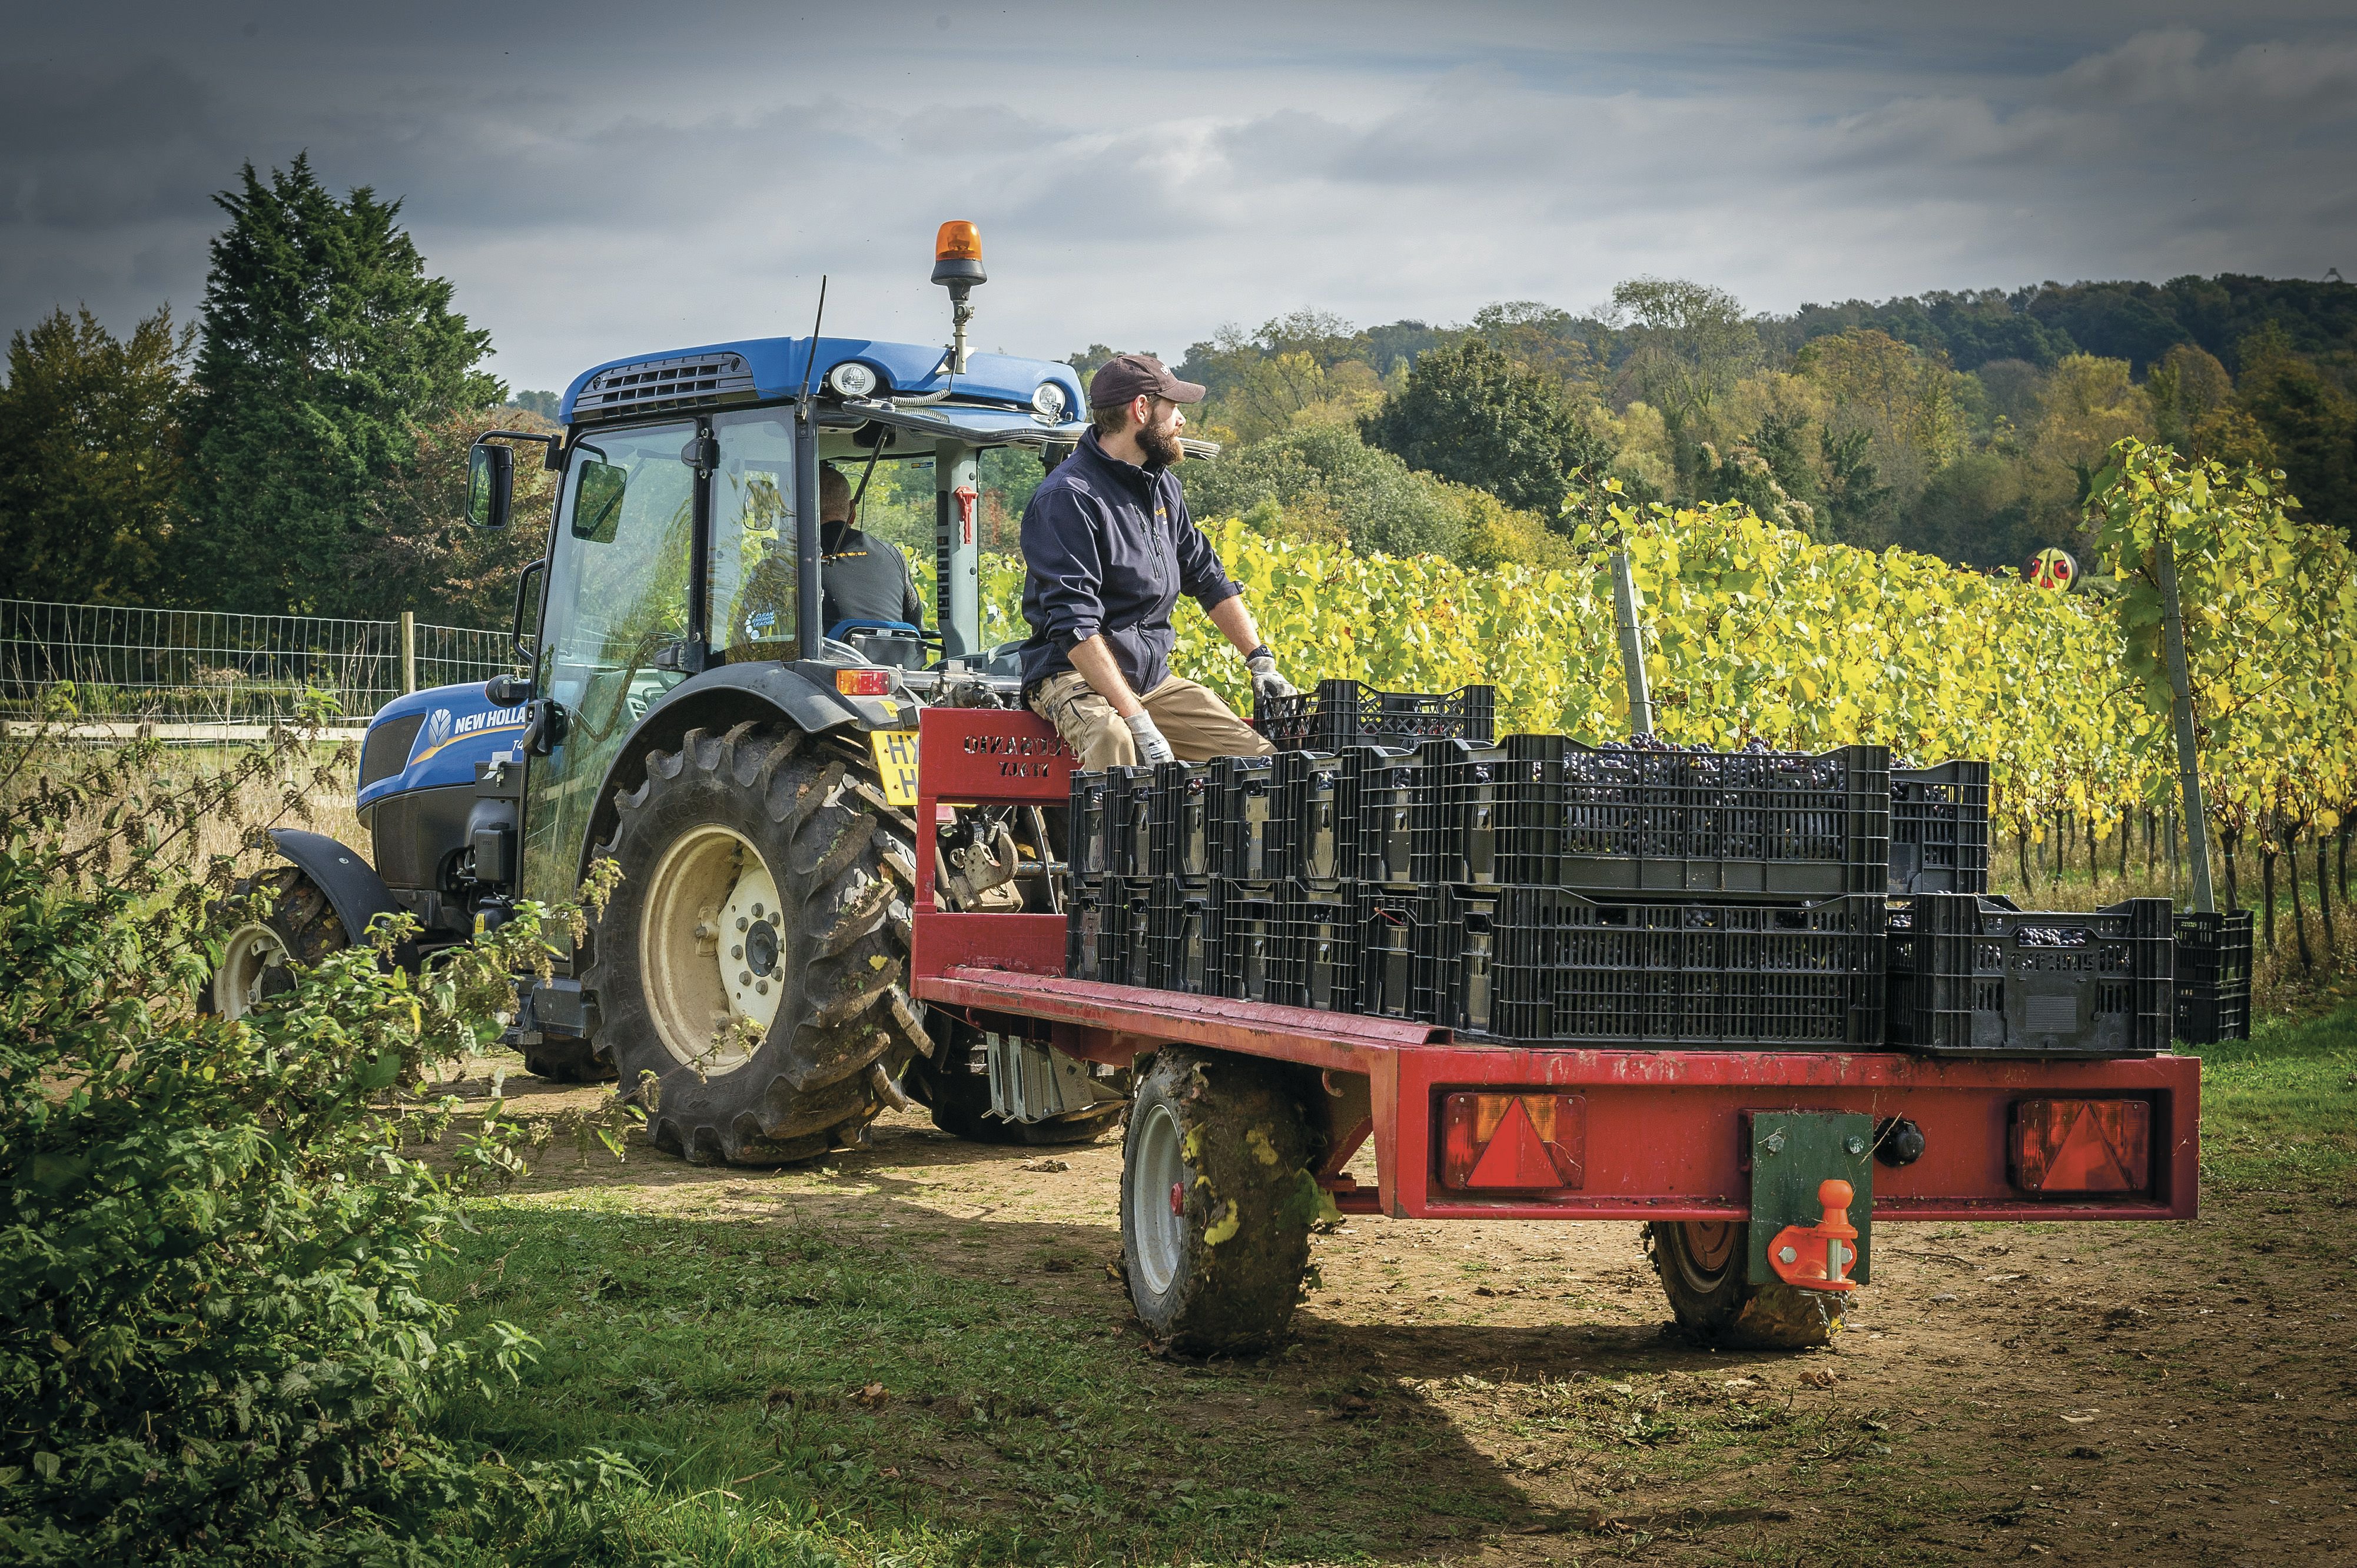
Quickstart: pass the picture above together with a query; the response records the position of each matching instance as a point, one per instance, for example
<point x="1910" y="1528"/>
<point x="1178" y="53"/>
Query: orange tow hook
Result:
<point x="1818" y="1257"/>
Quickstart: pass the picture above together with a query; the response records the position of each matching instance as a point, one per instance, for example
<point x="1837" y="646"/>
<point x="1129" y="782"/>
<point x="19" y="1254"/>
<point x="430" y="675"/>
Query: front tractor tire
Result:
<point x="1217" y="1200"/>
<point x="1702" y="1269"/>
<point x="301" y="927"/>
<point x="753" y="963"/>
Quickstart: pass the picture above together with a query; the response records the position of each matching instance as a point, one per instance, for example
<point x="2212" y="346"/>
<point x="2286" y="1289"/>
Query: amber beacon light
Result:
<point x="957" y="253"/>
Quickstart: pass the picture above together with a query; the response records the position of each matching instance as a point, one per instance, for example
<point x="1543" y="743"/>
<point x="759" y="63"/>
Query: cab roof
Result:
<point x="762" y="369"/>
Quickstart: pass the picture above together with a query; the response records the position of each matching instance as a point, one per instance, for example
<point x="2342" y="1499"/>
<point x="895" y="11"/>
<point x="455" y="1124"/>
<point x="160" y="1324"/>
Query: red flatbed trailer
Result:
<point x="1657" y="1135"/>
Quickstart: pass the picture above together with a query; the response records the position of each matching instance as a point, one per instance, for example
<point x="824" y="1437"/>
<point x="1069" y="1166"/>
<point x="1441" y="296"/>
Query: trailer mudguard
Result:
<point x="800" y="692"/>
<point x="353" y="888"/>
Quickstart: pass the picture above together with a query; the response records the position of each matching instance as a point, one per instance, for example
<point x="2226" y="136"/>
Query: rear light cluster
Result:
<point x="2081" y="1145"/>
<point x="863" y="682"/>
<point x="1512" y="1143"/>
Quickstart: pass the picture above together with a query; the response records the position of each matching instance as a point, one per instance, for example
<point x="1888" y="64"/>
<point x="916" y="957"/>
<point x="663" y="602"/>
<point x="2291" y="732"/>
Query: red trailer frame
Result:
<point x="1656" y="1134"/>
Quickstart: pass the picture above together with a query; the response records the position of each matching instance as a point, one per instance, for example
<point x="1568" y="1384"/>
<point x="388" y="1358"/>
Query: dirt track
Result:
<point x="2085" y="1393"/>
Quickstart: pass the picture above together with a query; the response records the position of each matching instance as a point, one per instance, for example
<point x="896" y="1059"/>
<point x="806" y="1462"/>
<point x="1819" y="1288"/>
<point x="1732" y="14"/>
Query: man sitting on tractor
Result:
<point x="1109" y="546"/>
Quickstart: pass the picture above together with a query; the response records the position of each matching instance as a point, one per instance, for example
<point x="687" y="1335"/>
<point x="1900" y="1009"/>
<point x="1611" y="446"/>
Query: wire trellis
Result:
<point x="120" y="664"/>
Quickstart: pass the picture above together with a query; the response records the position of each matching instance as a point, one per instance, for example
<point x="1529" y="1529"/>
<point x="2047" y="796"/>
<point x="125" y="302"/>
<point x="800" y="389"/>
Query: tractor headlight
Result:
<point x="852" y="379"/>
<point x="1050" y="402"/>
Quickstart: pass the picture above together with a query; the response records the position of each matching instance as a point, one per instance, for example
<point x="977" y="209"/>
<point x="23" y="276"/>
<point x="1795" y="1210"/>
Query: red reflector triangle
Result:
<point x="2086" y="1162"/>
<point x="1517" y="1156"/>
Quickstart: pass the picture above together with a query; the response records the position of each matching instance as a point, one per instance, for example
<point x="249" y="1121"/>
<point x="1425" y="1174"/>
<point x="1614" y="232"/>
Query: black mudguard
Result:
<point x="353" y="888"/>
<point x="801" y="693"/>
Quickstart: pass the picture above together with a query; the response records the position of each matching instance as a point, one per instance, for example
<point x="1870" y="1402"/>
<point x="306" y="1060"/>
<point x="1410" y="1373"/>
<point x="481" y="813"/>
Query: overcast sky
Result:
<point x="601" y="179"/>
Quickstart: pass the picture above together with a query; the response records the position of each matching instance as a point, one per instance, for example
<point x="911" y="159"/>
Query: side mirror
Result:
<point x="507" y="690"/>
<point x="491" y="484"/>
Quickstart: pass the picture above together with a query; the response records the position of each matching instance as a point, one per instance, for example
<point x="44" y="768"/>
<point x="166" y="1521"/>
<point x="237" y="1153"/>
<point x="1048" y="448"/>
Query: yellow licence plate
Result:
<point x="895" y="763"/>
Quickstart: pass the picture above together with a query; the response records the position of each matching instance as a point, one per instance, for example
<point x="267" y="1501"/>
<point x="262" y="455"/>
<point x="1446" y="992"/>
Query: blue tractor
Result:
<point x="682" y="708"/>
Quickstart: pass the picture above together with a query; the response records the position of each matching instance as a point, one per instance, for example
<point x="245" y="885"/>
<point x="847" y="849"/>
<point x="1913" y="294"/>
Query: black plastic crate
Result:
<point x="1182" y="938"/>
<point x="1178" y="824"/>
<point x="1129" y="806"/>
<point x="1567" y="969"/>
<point x="1351" y="712"/>
<point x="1087" y="832"/>
<point x="1315" y="958"/>
<point x="1546" y="811"/>
<point x="1123" y="927"/>
<point x="1939" y="829"/>
<point x="2213" y="976"/>
<point x="1248" y="933"/>
<point x="1380" y="788"/>
<point x="1308" y="839"/>
<point x="1083" y="928"/>
<point x="1242" y="796"/>
<point x="1455" y="950"/>
<point x="1390" y="921"/>
<point x="1971" y="978"/>
<point x="1454" y="815"/>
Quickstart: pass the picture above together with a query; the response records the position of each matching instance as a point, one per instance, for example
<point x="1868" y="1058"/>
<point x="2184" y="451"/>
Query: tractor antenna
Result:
<point x="810" y="355"/>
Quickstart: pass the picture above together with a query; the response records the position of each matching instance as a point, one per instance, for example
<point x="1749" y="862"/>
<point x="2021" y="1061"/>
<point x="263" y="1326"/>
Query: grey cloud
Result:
<point x="602" y="180"/>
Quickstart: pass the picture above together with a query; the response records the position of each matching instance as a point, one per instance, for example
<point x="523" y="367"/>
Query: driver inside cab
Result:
<point x="861" y="578"/>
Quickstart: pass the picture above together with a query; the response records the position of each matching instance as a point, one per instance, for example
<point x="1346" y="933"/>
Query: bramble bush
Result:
<point x="214" y="1345"/>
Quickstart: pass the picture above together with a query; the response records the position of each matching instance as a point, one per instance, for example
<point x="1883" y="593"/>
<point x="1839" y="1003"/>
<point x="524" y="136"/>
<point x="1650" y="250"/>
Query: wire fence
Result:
<point x="111" y="664"/>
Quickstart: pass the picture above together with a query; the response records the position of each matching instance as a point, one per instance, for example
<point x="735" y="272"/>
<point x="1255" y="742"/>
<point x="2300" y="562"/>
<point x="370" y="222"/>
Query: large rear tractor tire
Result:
<point x="959" y="1100"/>
<point x="301" y="927"/>
<point x="1217" y="1200"/>
<point x="753" y="963"/>
<point x="1701" y="1265"/>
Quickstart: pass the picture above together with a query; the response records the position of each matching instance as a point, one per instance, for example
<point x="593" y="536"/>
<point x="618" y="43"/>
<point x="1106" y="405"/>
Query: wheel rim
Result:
<point x="711" y="947"/>
<point x="253" y="950"/>
<point x="1156" y="1168"/>
<point x="1706" y="1248"/>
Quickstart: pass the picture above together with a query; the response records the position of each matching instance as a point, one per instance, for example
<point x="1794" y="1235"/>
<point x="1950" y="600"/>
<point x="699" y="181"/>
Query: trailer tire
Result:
<point x="792" y="829"/>
<point x="1701" y="1266"/>
<point x="1217" y="1200"/>
<point x="301" y="928"/>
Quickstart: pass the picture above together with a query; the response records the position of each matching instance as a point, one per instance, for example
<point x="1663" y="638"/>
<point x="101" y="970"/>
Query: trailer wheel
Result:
<point x="1701" y="1265"/>
<point x="753" y="963"/>
<point x="301" y="928"/>
<point x="1216" y="1200"/>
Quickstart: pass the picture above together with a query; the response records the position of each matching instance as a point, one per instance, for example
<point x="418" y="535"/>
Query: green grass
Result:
<point x="2279" y="1110"/>
<point x="733" y="1360"/>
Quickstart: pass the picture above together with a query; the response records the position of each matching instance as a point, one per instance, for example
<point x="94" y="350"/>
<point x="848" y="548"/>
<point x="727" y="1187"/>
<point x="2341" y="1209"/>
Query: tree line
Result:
<point x="1969" y="425"/>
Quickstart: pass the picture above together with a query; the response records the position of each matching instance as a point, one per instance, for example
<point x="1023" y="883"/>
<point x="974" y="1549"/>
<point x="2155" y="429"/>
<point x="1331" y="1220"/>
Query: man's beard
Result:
<point x="1160" y="444"/>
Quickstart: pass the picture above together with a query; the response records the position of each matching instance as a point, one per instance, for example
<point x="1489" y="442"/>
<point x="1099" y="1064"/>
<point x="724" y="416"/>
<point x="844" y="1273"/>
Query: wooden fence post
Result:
<point x="408" y="651"/>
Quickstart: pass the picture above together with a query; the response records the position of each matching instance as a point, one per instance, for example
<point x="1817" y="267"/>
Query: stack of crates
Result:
<point x="1582" y="895"/>
<point x="1971" y="975"/>
<point x="1538" y="890"/>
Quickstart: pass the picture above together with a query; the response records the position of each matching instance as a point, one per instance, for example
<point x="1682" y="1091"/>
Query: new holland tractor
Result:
<point x="683" y="708"/>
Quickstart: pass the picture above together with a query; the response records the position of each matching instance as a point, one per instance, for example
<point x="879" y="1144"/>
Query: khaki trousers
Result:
<point x="1197" y="725"/>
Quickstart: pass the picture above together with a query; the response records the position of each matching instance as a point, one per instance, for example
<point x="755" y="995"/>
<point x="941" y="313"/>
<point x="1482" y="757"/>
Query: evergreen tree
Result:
<point x="90" y="460"/>
<point x="1471" y="414"/>
<point x="326" y="347"/>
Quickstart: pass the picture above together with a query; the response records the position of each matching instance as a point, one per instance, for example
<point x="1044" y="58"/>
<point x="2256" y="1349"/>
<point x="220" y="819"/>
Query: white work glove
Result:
<point x="1151" y="747"/>
<point x="1267" y="684"/>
